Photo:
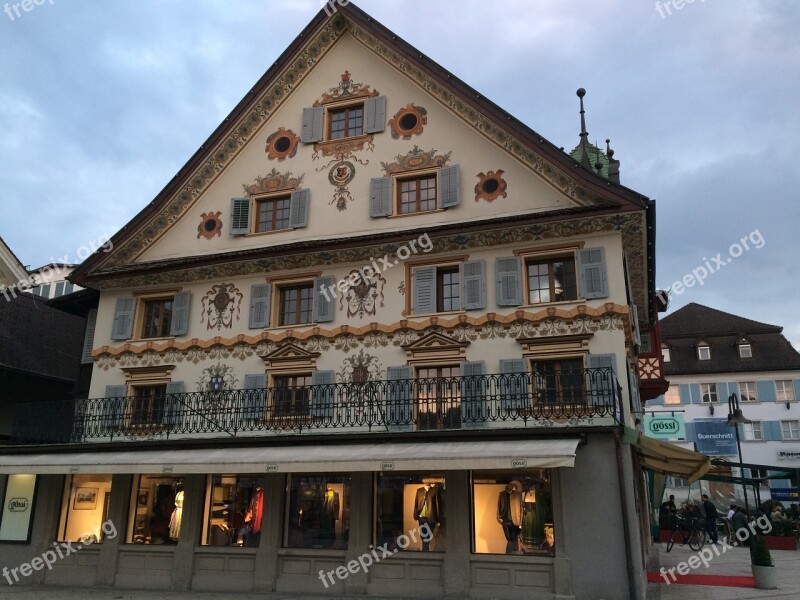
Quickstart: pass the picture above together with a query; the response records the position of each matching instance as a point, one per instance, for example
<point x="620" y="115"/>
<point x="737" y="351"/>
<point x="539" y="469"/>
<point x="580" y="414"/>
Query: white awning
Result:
<point x="542" y="453"/>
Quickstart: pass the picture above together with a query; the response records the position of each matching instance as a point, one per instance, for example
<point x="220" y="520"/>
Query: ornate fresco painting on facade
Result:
<point x="451" y="423"/>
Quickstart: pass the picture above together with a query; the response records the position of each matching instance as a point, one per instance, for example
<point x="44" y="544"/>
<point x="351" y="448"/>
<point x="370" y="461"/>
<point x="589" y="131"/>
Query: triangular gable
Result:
<point x="585" y="190"/>
<point x="291" y="355"/>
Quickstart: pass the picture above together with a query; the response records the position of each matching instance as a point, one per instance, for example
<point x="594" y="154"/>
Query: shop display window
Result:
<point x="410" y="512"/>
<point x="84" y="509"/>
<point x="234" y="507"/>
<point x="513" y="513"/>
<point x="318" y="512"/>
<point x="156" y="510"/>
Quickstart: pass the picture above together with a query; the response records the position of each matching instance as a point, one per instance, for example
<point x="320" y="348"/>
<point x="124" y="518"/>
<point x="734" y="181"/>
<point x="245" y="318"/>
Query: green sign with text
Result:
<point x="665" y="426"/>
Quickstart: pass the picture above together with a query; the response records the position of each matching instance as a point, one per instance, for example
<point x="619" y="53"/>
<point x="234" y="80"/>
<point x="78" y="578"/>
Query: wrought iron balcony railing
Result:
<point x="571" y="397"/>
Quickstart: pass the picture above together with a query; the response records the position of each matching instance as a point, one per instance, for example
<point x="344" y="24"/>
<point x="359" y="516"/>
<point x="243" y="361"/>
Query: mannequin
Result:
<point x="428" y="509"/>
<point x="177" y="516"/>
<point x="252" y="517"/>
<point x="330" y="514"/>
<point x="529" y="518"/>
<point x="509" y="514"/>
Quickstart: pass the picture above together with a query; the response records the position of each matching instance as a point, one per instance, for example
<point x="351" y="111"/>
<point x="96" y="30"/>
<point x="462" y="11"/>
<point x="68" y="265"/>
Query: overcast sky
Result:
<point x="102" y="102"/>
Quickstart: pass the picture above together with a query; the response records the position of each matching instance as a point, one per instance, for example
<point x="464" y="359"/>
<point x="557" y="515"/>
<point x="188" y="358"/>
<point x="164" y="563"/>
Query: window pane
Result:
<point x="410" y="512"/>
<point x="156" y="510"/>
<point x="513" y="514"/>
<point x="747" y="391"/>
<point x="552" y="280"/>
<point x="673" y="395"/>
<point x="84" y="511"/>
<point x="318" y="513"/>
<point x="785" y="391"/>
<point x="438" y="399"/>
<point x="559" y="381"/>
<point x="235" y="510"/>
<point x="448" y="297"/>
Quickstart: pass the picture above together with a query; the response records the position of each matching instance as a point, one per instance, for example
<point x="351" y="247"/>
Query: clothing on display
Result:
<point x="428" y="510"/>
<point x="509" y="515"/>
<point x="177" y="516"/>
<point x="255" y="511"/>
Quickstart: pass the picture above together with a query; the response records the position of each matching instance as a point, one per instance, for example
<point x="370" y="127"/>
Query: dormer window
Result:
<point x="745" y="350"/>
<point x="704" y="352"/>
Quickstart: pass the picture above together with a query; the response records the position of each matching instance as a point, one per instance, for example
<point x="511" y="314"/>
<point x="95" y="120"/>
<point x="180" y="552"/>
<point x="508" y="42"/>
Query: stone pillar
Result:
<point x="118" y="510"/>
<point x="49" y="491"/>
<point x="562" y="573"/>
<point x="266" y="571"/>
<point x="194" y="489"/>
<point x="361" y="503"/>
<point x="456" y="559"/>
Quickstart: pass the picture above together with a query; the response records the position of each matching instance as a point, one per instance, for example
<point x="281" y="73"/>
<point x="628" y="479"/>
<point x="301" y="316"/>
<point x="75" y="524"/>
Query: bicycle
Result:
<point x="692" y="531"/>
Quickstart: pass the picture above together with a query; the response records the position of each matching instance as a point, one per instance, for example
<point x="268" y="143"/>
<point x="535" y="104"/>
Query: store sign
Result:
<point x="665" y="426"/>
<point x="167" y="469"/>
<point x="714" y="438"/>
<point x="387" y="466"/>
<point x="519" y="463"/>
<point x="789" y="454"/>
<point x="786" y="494"/>
<point x="15" y="521"/>
<point x="271" y="468"/>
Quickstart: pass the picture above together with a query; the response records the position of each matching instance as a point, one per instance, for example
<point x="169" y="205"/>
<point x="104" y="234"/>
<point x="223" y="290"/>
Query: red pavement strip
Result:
<point x="723" y="580"/>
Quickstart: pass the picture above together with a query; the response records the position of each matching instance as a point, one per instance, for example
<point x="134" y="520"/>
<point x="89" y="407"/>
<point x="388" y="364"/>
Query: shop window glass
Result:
<point x="513" y="513"/>
<point x="235" y="508"/>
<point x="318" y="512"/>
<point x="17" y="508"/>
<point x="156" y="510"/>
<point x="411" y="512"/>
<point x="84" y="510"/>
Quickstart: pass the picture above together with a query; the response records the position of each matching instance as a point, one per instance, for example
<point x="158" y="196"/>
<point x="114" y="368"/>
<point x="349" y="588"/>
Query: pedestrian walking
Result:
<point x="711" y="519"/>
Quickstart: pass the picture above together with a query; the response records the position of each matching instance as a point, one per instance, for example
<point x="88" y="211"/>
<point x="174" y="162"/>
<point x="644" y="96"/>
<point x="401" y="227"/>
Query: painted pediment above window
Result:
<point x="435" y="345"/>
<point x="290" y="355"/>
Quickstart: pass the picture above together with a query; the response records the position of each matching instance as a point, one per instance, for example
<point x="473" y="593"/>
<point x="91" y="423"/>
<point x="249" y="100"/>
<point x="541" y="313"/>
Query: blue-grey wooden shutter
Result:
<point x="592" y="267"/>
<point x="255" y="395"/>
<point x="114" y="405"/>
<point x="172" y="404"/>
<point x="513" y="384"/>
<point x="399" y="411"/>
<point x="240" y="216"/>
<point x="697" y="397"/>
<point x="180" y="313"/>
<point x="298" y="208"/>
<point x="380" y="197"/>
<point x="313" y="119"/>
<point x="686" y="393"/>
<point x="449" y="186"/>
<point x="123" y="319"/>
<point x="474" y="411"/>
<point x="88" y="336"/>
<point x="691" y="432"/>
<point x="322" y="398"/>
<point x="323" y="308"/>
<point x="260" y="297"/>
<point x="423" y="286"/>
<point x="733" y="388"/>
<point x="473" y="284"/>
<point x="771" y="431"/>
<point x="601" y="383"/>
<point x="375" y="114"/>
<point x="722" y="392"/>
<point x="509" y="281"/>
<point x="766" y="391"/>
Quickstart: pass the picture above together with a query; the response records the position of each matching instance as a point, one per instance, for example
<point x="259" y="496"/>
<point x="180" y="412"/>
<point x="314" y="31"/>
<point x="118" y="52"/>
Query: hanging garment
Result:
<point x="529" y="524"/>
<point x="509" y="507"/>
<point x="255" y="510"/>
<point x="428" y="505"/>
<point x="177" y="516"/>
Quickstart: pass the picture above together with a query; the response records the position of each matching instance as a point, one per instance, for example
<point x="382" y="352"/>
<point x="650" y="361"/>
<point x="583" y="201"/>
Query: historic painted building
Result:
<point x="373" y="316"/>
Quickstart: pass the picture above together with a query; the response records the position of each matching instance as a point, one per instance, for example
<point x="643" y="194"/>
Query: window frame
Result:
<point x="139" y="309"/>
<point x="754" y="436"/>
<point x="550" y="260"/>
<point x="751" y="397"/>
<point x="793" y="428"/>
<point x="258" y="201"/>
<point x="272" y="408"/>
<point x="146" y="302"/>
<point x="449" y="263"/>
<point x="672" y="395"/>
<point x="785" y="389"/>
<point x="703" y="349"/>
<point x="132" y="401"/>
<point x="537" y="399"/>
<point x="741" y="348"/>
<point x="283" y="286"/>
<point x="445" y="403"/>
<point x="711" y="394"/>
<point x="418" y="176"/>
<point x="665" y="354"/>
<point x="346" y="106"/>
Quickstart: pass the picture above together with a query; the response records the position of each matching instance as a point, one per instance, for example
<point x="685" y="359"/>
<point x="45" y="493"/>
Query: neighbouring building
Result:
<point x="11" y="269"/>
<point x="51" y="280"/>
<point x="709" y="355"/>
<point x="372" y="311"/>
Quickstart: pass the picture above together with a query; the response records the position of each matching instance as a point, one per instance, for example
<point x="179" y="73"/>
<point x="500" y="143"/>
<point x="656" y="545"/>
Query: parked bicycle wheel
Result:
<point x="697" y="539"/>
<point x="671" y="541"/>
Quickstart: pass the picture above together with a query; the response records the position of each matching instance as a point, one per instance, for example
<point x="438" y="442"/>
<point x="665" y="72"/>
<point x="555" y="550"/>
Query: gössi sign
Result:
<point x="665" y="426"/>
<point x="18" y="504"/>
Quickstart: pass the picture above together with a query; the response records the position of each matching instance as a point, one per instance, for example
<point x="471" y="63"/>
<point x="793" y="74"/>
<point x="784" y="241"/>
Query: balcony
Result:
<point x="569" y="398"/>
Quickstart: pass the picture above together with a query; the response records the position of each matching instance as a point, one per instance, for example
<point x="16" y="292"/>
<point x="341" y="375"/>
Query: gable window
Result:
<point x="790" y="430"/>
<point x="346" y="122"/>
<point x="785" y="390"/>
<point x="147" y="405"/>
<point x="291" y="395"/>
<point x="406" y="193"/>
<point x="559" y="381"/>
<point x="709" y="392"/>
<point x="673" y="395"/>
<point x="753" y="431"/>
<point x="272" y="214"/>
<point x="551" y="280"/>
<point x="747" y="391"/>
<point x="296" y="304"/>
<point x="157" y="319"/>
<point x="438" y="397"/>
<point x="416" y="194"/>
<point x="745" y="351"/>
<point x="704" y="352"/>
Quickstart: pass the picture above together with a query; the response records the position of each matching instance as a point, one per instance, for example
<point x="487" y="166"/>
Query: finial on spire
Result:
<point x="609" y="151"/>
<point x="584" y="134"/>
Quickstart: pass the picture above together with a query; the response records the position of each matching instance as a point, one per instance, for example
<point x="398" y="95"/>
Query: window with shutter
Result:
<point x="474" y="407"/>
<point x="398" y="399"/>
<point x="473" y="277"/>
<point x="122" y="327"/>
<point x="509" y="285"/>
<point x="254" y="396"/>
<point x="592" y="268"/>
<point x="88" y="337"/>
<point x="260" y="297"/>
<point x="240" y="216"/>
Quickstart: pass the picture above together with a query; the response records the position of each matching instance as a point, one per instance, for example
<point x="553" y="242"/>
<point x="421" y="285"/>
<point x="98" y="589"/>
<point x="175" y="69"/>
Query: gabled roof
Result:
<point x="10" y="265"/>
<point x="592" y="193"/>
<point x="695" y="323"/>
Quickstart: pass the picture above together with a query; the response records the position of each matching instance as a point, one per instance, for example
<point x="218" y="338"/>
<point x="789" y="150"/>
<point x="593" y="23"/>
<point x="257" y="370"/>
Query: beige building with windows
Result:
<point x="373" y="311"/>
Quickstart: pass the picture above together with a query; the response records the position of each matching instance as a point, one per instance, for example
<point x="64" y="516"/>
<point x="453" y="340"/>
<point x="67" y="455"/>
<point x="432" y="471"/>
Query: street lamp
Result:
<point x="735" y="418"/>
